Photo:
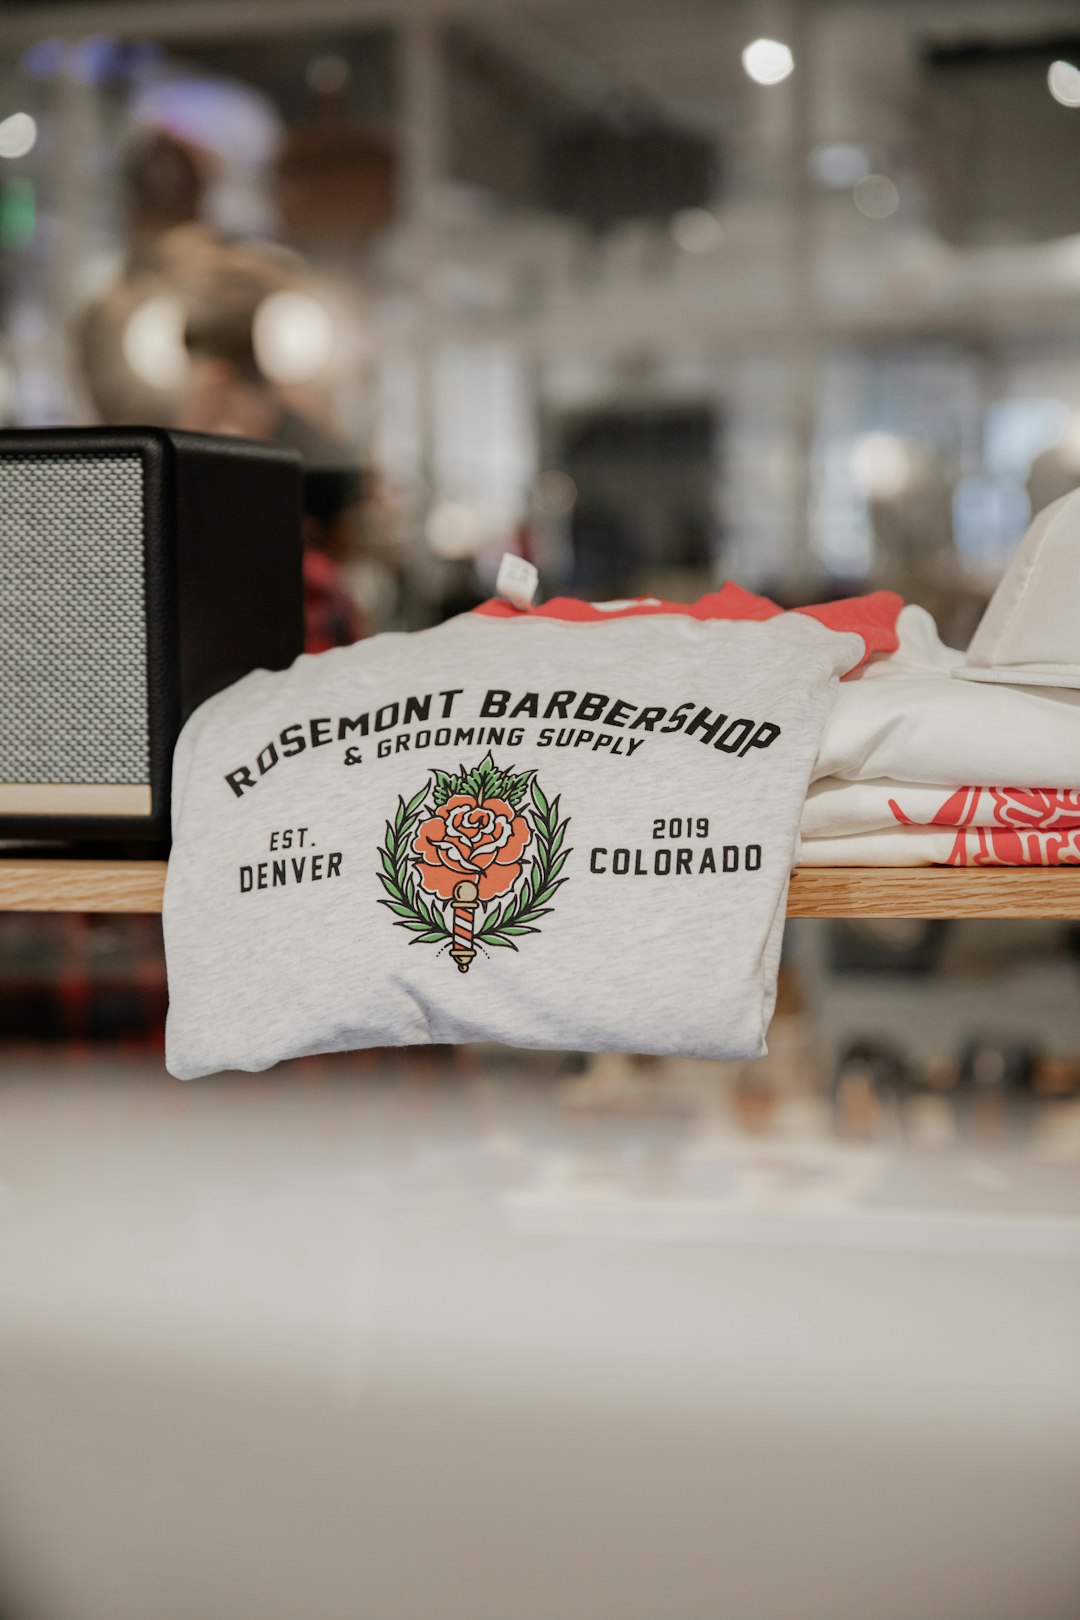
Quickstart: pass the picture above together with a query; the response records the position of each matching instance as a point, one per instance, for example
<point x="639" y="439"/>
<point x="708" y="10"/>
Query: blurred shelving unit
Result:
<point x="927" y="891"/>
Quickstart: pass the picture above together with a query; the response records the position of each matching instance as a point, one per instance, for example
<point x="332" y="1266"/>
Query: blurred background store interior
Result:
<point x="668" y="294"/>
<point x="657" y="293"/>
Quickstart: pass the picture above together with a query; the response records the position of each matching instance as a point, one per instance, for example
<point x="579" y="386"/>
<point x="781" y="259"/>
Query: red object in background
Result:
<point x="336" y="184"/>
<point x="331" y="617"/>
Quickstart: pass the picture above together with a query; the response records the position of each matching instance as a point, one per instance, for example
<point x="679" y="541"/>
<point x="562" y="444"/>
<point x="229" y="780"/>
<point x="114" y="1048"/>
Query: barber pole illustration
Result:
<point x="466" y="900"/>
<point x="474" y="860"/>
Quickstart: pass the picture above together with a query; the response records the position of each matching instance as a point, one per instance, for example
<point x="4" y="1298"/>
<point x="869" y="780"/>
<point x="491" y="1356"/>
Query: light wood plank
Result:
<point x="935" y="891"/>
<point x="81" y="885"/>
<point x="832" y="891"/>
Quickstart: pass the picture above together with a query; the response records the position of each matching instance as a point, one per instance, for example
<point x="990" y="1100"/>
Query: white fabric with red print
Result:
<point x="911" y="758"/>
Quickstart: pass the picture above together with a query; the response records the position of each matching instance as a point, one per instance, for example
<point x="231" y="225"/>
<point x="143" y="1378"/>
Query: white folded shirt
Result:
<point x="903" y="846"/>
<point x="838" y="809"/>
<point x="903" y="718"/>
<point x="543" y="832"/>
<point x="946" y="846"/>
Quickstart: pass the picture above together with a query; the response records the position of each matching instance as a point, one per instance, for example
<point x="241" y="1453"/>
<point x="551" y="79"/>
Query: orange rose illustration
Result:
<point x="462" y="840"/>
<point x="469" y="837"/>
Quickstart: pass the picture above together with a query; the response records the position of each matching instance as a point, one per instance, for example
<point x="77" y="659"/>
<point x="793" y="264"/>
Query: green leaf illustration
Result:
<point x="520" y="913"/>
<point x="398" y="877"/>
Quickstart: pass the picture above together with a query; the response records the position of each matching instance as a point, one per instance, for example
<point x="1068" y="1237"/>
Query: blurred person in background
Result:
<point x="163" y="184"/>
<point x="174" y="343"/>
<point x="227" y="391"/>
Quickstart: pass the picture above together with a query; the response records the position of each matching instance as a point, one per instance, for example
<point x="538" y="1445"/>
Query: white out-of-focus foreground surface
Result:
<point x="411" y="1342"/>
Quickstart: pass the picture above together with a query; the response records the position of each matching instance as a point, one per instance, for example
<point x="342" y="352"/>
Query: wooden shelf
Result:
<point x="822" y="891"/>
<point x="59" y="885"/>
<point x="935" y="891"/>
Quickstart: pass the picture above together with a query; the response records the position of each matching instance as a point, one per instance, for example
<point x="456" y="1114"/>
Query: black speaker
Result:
<point x="140" y="572"/>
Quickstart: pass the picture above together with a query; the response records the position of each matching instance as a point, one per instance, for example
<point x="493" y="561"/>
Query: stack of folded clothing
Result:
<point x="920" y="740"/>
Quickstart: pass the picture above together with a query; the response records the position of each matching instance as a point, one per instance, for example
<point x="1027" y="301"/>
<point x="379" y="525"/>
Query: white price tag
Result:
<point x="516" y="580"/>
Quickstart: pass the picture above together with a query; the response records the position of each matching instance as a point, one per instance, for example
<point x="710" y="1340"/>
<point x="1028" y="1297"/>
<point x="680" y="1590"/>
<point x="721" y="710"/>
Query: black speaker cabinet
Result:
<point x="140" y="572"/>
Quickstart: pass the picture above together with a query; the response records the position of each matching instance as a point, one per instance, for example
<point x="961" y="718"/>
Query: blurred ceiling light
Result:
<point x="153" y="342"/>
<point x="768" y="61"/>
<point x="881" y="466"/>
<point x="839" y="166"/>
<point x="1063" y="81"/>
<point x="696" y="230"/>
<point x="454" y="531"/>
<point x="555" y="493"/>
<point x="18" y="135"/>
<point x="327" y="74"/>
<point x="293" y="336"/>
<point x="876" y="196"/>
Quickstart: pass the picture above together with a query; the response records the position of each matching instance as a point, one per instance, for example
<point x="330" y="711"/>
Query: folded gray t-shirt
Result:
<point x="548" y="833"/>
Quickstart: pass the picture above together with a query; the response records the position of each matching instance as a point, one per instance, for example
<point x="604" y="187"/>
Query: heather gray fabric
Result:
<point x="541" y="832"/>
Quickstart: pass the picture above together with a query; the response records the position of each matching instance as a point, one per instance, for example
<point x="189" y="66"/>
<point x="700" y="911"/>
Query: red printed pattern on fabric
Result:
<point x="1031" y="826"/>
<point x="1000" y="846"/>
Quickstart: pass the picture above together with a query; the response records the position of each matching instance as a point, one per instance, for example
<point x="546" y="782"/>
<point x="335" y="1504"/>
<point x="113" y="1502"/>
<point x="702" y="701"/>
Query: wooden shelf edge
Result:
<point x="129" y="886"/>
<point x="822" y="891"/>
<point x="935" y="891"/>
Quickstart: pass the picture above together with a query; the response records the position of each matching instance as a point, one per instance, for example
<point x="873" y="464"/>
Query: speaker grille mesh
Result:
<point x="73" y="693"/>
